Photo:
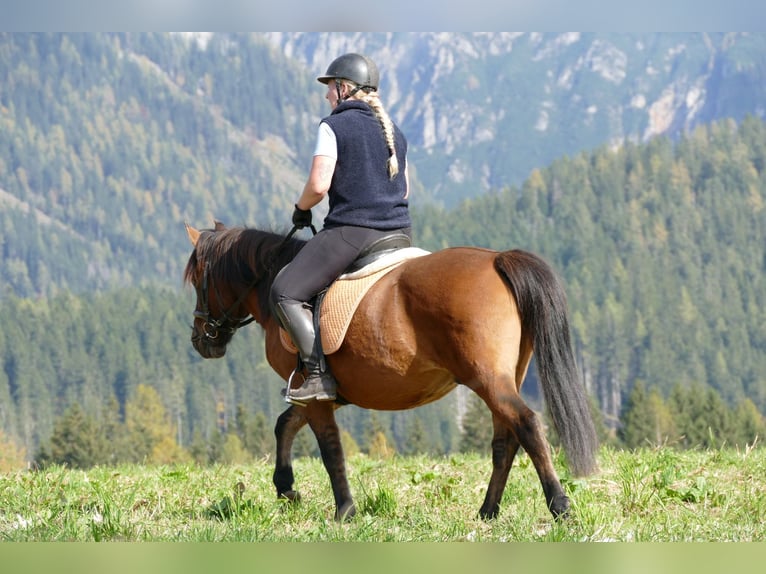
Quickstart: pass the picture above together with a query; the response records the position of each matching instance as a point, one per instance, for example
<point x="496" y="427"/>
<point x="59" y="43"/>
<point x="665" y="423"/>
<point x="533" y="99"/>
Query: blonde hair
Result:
<point x="372" y="99"/>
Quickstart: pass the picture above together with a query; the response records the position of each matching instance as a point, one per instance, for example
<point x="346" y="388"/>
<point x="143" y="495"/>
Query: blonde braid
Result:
<point x="373" y="100"/>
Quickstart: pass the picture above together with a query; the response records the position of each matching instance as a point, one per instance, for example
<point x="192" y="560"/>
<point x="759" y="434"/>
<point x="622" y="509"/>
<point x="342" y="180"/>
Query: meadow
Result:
<point x="649" y="495"/>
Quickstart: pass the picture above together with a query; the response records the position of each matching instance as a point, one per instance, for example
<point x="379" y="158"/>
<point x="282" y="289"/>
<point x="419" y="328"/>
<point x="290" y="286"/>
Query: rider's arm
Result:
<point x="322" y="168"/>
<point x="320" y="176"/>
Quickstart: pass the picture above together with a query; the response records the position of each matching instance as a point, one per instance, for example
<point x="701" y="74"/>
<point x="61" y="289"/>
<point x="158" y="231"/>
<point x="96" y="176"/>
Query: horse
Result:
<point x="459" y="316"/>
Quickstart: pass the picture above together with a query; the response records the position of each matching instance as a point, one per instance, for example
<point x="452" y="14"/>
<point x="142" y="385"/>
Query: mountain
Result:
<point x="109" y="142"/>
<point x="483" y="110"/>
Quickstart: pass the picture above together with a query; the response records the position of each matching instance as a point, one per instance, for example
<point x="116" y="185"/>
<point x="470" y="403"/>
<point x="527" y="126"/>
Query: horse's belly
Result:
<point x="371" y="391"/>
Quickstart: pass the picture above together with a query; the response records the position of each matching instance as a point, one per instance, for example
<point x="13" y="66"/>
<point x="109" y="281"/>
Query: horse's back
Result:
<point x="453" y="282"/>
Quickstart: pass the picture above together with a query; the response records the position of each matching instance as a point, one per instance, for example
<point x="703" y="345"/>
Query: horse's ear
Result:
<point x="219" y="226"/>
<point x="192" y="233"/>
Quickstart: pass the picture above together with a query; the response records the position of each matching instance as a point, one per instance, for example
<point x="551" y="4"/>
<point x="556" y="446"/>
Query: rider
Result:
<point x="360" y="164"/>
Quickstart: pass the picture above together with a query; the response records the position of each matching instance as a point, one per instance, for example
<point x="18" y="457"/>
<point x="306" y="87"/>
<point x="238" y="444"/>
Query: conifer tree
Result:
<point x="113" y="430"/>
<point x="380" y="447"/>
<point x="254" y="433"/>
<point x="719" y="418"/>
<point x="233" y="452"/>
<point x="637" y="422"/>
<point x="477" y="427"/>
<point x="749" y="424"/>
<point x="198" y="449"/>
<point x="703" y="419"/>
<point x="151" y="434"/>
<point x="350" y="446"/>
<point x="305" y="444"/>
<point x="167" y="451"/>
<point x="75" y="442"/>
<point x="416" y="441"/>
<point x="665" y="429"/>
<point x="373" y="431"/>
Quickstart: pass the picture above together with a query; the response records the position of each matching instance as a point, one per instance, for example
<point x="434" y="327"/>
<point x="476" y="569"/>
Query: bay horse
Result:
<point x="460" y="316"/>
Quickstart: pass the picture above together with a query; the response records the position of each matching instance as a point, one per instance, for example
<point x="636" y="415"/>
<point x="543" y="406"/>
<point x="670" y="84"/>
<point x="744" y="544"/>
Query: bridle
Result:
<point x="212" y="327"/>
<point x="228" y="324"/>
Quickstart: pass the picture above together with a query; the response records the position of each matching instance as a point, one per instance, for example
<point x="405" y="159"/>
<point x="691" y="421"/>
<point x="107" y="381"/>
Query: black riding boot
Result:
<point x="319" y="384"/>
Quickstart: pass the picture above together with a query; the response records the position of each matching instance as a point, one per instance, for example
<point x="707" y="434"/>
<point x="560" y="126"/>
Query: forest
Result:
<point x="661" y="246"/>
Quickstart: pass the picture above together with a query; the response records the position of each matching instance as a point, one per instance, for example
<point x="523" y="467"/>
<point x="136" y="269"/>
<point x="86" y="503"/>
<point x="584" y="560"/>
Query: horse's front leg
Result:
<point x="321" y="419"/>
<point x="288" y="425"/>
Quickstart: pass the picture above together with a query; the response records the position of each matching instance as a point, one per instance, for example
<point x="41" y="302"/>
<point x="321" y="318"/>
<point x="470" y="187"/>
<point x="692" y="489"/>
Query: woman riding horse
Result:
<point x="360" y="164"/>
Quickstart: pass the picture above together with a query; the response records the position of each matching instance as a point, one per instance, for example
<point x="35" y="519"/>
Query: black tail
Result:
<point x="542" y="305"/>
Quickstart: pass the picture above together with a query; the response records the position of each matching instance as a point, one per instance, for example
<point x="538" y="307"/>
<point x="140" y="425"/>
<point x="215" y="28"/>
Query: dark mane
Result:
<point x="242" y="256"/>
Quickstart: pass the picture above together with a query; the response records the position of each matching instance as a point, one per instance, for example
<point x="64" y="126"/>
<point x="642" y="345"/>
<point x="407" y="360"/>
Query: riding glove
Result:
<point x="301" y="217"/>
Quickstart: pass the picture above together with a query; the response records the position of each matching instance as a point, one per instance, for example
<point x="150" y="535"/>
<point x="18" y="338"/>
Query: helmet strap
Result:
<point x="354" y="91"/>
<point x="337" y="90"/>
<point x="351" y="93"/>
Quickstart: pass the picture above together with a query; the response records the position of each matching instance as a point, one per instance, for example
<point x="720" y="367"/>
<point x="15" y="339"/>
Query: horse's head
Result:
<point x="217" y="314"/>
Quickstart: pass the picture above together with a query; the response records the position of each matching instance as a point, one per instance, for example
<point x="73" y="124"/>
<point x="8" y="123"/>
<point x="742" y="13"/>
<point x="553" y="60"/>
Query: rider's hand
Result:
<point x="301" y="217"/>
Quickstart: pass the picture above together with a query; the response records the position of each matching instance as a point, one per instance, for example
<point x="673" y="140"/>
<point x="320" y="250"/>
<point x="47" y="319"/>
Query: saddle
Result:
<point x="335" y="306"/>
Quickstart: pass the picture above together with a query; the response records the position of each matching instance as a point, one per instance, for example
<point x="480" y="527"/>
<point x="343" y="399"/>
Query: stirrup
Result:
<point x="286" y="391"/>
<point x="320" y="386"/>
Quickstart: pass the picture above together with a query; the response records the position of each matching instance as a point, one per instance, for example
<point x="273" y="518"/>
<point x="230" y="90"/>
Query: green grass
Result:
<point x="652" y="495"/>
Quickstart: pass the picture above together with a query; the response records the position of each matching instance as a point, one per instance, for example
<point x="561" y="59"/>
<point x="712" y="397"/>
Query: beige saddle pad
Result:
<point x="344" y="296"/>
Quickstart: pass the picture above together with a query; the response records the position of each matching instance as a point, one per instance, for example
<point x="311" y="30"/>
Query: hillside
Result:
<point x="109" y="142"/>
<point x="635" y="163"/>
<point x="663" y="250"/>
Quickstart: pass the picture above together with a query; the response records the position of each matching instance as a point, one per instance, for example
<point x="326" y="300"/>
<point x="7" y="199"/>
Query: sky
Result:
<point x="383" y="15"/>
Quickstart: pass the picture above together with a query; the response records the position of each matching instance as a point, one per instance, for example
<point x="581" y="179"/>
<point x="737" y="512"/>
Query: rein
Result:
<point x="212" y="327"/>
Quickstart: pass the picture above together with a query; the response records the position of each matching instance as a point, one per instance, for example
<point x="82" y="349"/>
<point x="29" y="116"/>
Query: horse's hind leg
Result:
<point x="504" y="449"/>
<point x="288" y="425"/>
<point x="505" y="445"/>
<point x="526" y="427"/>
<point x="510" y="410"/>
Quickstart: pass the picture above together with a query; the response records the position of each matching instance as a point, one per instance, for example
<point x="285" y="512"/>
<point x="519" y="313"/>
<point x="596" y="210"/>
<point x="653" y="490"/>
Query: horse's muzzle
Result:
<point x="207" y="347"/>
<point x="209" y="351"/>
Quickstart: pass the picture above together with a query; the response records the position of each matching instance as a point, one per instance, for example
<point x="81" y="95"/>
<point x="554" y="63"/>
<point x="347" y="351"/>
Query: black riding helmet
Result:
<point x="355" y="68"/>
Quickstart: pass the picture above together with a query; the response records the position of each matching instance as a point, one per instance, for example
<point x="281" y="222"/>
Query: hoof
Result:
<point x="489" y="513"/>
<point x="345" y="513"/>
<point x="290" y="496"/>
<point x="559" y="507"/>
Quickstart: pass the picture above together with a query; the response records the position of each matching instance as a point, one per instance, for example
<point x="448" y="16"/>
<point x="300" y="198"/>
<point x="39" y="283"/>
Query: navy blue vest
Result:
<point x="361" y="192"/>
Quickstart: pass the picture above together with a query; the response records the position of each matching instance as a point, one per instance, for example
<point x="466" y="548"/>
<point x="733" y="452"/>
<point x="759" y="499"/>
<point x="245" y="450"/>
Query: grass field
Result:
<point x="652" y="495"/>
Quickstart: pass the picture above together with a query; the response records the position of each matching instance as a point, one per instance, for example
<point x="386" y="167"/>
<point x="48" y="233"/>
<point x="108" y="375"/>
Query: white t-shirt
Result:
<point x="326" y="142"/>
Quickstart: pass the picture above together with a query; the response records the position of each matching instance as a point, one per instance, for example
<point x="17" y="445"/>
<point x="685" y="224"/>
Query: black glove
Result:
<point x="301" y="217"/>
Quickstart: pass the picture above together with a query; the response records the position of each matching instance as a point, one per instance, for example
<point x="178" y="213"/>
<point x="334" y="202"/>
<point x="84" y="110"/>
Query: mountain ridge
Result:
<point x="454" y="92"/>
<point x="125" y="136"/>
